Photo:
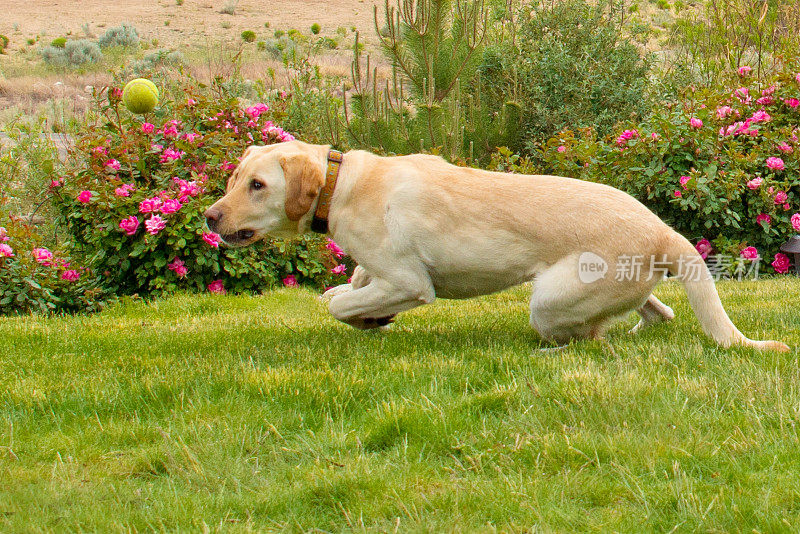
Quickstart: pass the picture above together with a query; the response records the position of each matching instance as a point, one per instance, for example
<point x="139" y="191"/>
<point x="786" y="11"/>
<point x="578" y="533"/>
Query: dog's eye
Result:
<point x="256" y="185"/>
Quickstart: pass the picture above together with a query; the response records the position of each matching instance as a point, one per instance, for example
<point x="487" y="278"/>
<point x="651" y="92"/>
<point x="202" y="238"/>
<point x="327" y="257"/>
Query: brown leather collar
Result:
<point x="319" y="223"/>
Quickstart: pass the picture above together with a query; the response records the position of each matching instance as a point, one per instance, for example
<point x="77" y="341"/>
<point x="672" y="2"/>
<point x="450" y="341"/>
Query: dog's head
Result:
<point x="270" y="193"/>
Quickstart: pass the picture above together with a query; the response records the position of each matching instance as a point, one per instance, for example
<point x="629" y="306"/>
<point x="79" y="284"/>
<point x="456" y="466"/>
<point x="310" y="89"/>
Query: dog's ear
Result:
<point x="304" y="179"/>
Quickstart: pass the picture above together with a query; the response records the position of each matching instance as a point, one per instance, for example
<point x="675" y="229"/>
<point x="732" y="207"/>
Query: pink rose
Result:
<point x="124" y="190"/>
<point x="212" y="238"/>
<point x="85" y="196"/>
<point x="113" y="164"/>
<point x="100" y="151"/>
<point x="781" y="263"/>
<point x="626" y="136"/>
<point x="695" y="123"/>
<point x="775" y="164"/>
<point x="760" y="116"/>
<point x="755" y="182"/>
<point x="781" y="197"/>
<point x="290" y="281"/>
<point x="150" y="205"/>
<point x="654" y="136"/>
<point x="685" y="180"/>
<point x="3" y="234"/>
<point x="791" y="102"/>
<point x="154" y="224"/>
<point x="178" y="266"/>
<point x="744" y="70"/>
<point x="763" y="218"/>
<point x="796" y="222"/>
<point x="724" y="111"/>
<point x="785" y="147"/>
<point x="677" y="193"/>
<point x="6" y="251"/>
<point x="70" y="276"/>
<point x="562" y="148"/>
<point x="704" y="247"/>
<point x="171" y="205"/>
<point x="129" y="225"/>
<point x="190" y="102"/>
<point x="42" y="255"/>
<point x="334" y="248"/>
<point x="797" y="77"/>
<point x="148" y="128"/>
<point x="749" y="253"/>
<point x="339" y="269"/>
<point x="217" y="287"/>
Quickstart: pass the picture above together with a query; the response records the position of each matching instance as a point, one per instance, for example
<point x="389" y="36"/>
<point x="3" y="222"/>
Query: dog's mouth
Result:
<point x="240" y="238"/>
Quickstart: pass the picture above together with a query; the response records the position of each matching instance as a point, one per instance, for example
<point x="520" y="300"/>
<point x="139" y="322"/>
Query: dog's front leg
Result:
<point x="375" y="304"/>
<point x="359" y="279"/>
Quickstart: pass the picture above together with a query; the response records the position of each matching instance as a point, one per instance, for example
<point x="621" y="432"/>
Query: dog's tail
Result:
<point x="686" y="264"/>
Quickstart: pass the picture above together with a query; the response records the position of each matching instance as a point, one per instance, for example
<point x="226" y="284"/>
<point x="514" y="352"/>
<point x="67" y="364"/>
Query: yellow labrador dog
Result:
<point x="421" y="228"/>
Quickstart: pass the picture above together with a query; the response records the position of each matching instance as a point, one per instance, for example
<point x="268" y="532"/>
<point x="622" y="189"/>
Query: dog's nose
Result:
<point x="213" y="216"/>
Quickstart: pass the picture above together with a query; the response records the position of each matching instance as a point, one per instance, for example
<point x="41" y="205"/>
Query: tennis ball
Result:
<point x="140" y="95"/>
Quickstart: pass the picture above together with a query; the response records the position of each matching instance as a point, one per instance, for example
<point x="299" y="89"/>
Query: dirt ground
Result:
<point x="175" y="25"/>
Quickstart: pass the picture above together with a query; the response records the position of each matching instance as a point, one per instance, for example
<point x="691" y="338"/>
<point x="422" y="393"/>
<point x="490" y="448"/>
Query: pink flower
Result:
<point x="695" y="123"/>
<point x="290" y="281"/>
<point x="212" y="239"/>
<point x="724" y="111"/>
<point x="124" y="190"/>
<point x="155" y="147"/>
<point x="334" y="248"/>
<point x="763" y="218"/>
<point x="150" y="205"/>
<point x="703" y="247"/>
<point x="786" y="207"/>
<point x="85" y="196"/>
<point x="191" y="137"/>
<point x="755" y="183"/>
<point x="760" y="116"/>
<point x="148" y="128"/>
<point x="796" y="222"/>
<point x="654" y="136"/>
<point x="677" y="193"/>
<point x="791" y="102"/>
<point x="685" y="180"/>
<point x="155" y="224"/>
<point x="178" y="266"/>
<point x="562" y="148"/>
<point x="775" y="164"/>
<point x="744" y="70"/>
<point x="797" y="77"/>
<point x="70" y="276"/>
<point x="743" y="94"/>
<point x="6" y="251"/>
<point x="339" y="269"/>
<point x="781" y="263"/>
<point x="217" y="287"/>
<point x="42" y="255"/>
<point x="254" y="111"/>
<point x="227" y="166"/>
<point x="58" y="182"/>
<point x="785" y="147"/>
<point x="113" y="164"/>
<point x="170" y="154"/>
<point x="100" y="151"/>
<point x="190" y="102"/>
<point x="749" y="253"/>
<point x="129" y="225"/>
<point x="781" y="197"/>
<point x="626" y="136"/>
<point x="171" y="205"/>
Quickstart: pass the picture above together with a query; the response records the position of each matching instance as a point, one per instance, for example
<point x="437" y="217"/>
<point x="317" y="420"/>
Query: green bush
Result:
<point x="124" y="35"/>
<point x="59" y="42"/>
<point x="74" y="54"/>
<point x="248" y="36"/>
<point x="315" y="28"/>
<point x="722" y="165"/>
<point x="572" y="67"/>
<point x="134" y="203"/>
<point x="3" y="44"/>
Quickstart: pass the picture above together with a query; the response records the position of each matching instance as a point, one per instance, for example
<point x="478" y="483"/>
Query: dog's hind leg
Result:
<point x="653" y="311"/>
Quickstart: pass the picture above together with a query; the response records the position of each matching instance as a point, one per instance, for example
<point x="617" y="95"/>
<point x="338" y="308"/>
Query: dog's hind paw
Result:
<point x="337" y="290"/>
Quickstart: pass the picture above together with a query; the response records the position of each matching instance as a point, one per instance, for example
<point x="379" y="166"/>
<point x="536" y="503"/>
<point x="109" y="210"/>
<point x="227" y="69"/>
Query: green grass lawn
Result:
<point x="264" y="413"/>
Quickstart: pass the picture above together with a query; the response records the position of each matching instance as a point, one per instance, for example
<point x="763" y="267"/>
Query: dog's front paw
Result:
<point x="337" y="290"/>
<point x="369" y="323"/>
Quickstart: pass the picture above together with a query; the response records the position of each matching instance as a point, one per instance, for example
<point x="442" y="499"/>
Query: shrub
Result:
<point x="230" y="7"/>
<point x="315" y="28"/>
<point x="135" y="203"/>
<point x="261" y="45"/>
<point x="74" y="54"/>
<point x="3" y="44"/>
<point x="722" y="165"/>
<point x="124" y="35"/>
<point x="59" y="42"/>
<point x="574" y="68"/>
<point x="279" y="34"/>
<point x="248" y="36"/>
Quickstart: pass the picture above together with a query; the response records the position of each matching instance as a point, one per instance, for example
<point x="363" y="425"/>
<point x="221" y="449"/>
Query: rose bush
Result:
<point x="133" y="203"/>
<point x="722" y="165"/>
